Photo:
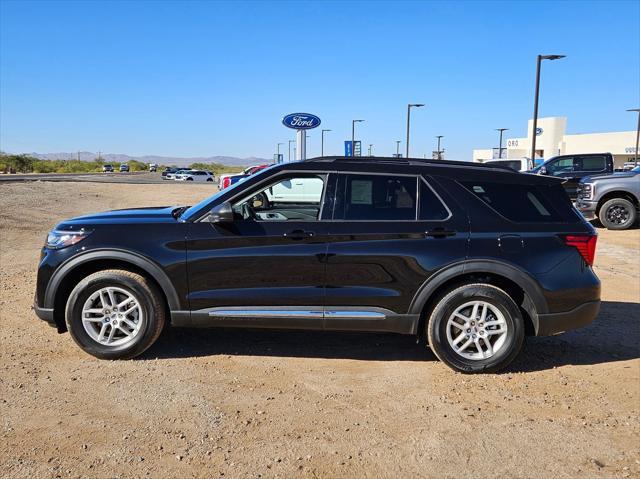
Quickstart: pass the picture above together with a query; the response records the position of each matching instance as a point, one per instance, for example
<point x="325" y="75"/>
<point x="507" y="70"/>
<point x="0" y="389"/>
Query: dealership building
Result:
<point x="552" y="140"/>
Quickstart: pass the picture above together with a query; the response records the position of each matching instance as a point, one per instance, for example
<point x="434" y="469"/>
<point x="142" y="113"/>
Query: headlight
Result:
<point x="61" y="239"/>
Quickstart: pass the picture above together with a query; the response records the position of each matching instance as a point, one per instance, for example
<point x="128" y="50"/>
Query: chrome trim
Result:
<point x="354" y="315"/>
<point x="265" y="313"/>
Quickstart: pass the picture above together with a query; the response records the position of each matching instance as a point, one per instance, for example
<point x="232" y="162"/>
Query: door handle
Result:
<point x="439" y="233"/>
<point x="298" y="234"/>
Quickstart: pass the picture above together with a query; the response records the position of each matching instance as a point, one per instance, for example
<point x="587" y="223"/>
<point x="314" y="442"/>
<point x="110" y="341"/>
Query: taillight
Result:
<point x="585" y="244"/>
<point x="225" y="182"/>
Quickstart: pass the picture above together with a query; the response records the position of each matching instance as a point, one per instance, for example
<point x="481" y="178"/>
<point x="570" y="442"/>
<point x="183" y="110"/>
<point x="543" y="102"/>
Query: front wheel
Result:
<point x="476" y="328"/>
<point x="115" y="314"/>
<point x="617" y="214"/>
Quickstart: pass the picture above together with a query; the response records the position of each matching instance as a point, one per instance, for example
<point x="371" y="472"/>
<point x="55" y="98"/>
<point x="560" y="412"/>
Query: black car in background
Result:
<point x="469" y="257"/>
<point x="572" y="168"/>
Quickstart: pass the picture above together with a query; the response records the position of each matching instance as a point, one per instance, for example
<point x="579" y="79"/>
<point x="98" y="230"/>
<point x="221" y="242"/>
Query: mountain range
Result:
<point x="161" y="160"/>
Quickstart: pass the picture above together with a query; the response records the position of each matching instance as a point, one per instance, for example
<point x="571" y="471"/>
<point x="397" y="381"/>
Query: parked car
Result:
<point x="124" y="168"/>
<point x="194" y="175"/>
<point x="107" y="168"/>
<point x="172" y="175"/>
<point x="230" y="179"/>
<point x="629" y="165"/>
<point x="153" y="167"/>
<point x="613" y="199"/>
<point x="574" y="167"/>
<point x="467" y="256"/>
<point x="517" y="164"/>
<point x="168" y="171"/>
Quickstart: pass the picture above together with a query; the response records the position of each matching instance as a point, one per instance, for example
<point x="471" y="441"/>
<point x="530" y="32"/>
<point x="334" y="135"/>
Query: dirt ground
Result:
<point x="218" y="403"/>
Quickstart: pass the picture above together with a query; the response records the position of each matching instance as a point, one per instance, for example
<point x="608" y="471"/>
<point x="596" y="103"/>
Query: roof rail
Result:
<point x="408" y="161"/>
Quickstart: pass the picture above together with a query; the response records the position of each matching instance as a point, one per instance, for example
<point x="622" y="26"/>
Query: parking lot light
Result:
<point x="501" y="130"/>
<point x="322" y="142"/>
<point x="637" y="132"/>
<point x="439" y="137"/>
<point x="535" y="104"/>
<point x="409" y="106"/>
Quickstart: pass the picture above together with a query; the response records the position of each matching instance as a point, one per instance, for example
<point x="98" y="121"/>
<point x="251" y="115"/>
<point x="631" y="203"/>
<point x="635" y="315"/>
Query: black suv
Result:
<point x="468" y="256"/>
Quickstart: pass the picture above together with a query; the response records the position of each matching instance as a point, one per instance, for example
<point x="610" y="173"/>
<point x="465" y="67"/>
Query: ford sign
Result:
<point x="301" y="121"/>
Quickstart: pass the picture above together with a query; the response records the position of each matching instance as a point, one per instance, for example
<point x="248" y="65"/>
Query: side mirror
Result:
<point x="543" y="171"/>
<point x="222" y="213"/>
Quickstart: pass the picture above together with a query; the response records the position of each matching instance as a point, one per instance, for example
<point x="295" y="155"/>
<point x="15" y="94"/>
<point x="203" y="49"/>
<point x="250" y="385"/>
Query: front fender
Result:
<point x="151" y="268"/>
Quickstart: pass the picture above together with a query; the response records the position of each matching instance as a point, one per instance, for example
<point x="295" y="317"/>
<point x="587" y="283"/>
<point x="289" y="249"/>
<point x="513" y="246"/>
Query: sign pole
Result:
<point x="301" y="142"/>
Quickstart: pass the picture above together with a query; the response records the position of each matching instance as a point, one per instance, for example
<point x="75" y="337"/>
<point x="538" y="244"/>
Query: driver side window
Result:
<point x="291" y="198"/>
<point x="563" y="165"/>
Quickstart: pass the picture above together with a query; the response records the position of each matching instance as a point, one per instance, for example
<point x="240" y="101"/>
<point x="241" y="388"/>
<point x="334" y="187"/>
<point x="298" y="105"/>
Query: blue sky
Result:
<point x="216" y="78"/>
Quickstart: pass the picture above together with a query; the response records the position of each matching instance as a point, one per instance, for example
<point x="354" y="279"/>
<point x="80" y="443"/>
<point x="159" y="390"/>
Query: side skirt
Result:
<point x="338" y="318"/>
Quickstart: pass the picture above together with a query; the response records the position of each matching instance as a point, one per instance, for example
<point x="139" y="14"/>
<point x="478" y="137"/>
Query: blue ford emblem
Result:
<point x="539" y="131"/>
<point x="301" y="121"/>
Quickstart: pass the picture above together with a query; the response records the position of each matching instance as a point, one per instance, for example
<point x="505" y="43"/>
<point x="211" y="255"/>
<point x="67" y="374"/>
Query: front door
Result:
<point x="267" y="267"/>
<point x="389" y="233"/>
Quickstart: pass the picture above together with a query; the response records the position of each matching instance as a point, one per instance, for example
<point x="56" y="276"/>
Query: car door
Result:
<point x="267" y="267"/>
<point x="390" y="232"/>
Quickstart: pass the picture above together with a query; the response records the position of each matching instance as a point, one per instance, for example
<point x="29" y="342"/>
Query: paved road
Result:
<point x="134" y="177"/>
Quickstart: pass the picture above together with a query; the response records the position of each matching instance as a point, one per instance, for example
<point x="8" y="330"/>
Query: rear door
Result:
<point x="388" y="234"/>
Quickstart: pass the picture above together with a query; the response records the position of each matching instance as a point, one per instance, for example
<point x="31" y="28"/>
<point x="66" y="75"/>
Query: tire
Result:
<point x="617" y="214"/>
<point x="500" y="309"/>
<point x="189" y="179"/>
<point x="209" y="179"/>
<point x="144" y="324"/>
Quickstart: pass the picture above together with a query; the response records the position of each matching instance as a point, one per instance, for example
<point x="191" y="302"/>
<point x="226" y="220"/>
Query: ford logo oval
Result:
<point x="301" y="121"/>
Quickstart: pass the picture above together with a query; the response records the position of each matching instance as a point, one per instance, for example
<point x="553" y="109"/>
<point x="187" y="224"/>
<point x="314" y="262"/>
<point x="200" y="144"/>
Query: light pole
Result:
<point x="439" y="137"/>
<point x="500" y="143"/>
<point x="322" y="143"/>
<point x="535" y="104"/>
<point x="398" y="148"/>
<point x="417" y="105"/>
<point x="353" y="136"/>
<point x="290" y="141"/>
<point x="637" y="132"/>
<point x="370" y="145"/>
<point x="278" y="152"/>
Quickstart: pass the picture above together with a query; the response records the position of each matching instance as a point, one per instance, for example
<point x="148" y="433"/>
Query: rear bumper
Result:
<point x="554" y="323"/>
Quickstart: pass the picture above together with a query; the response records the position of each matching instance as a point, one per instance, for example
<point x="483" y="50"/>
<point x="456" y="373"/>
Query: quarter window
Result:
<point x="593" y="163"/>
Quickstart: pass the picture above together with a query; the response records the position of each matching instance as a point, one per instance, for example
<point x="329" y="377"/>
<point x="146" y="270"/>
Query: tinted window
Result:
<point x="593" y="163"/>
<point x="562" y="165"/>
<point x="378" y="197"/>
<point x="431" y="208"/>
<point x="520" y="203"/>
<point x="513" y="164"/>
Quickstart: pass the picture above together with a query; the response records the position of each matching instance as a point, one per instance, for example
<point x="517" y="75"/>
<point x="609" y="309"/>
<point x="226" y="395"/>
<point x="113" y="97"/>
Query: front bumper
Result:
<point x="587" y="208"/>
<point x="580" y="316"/>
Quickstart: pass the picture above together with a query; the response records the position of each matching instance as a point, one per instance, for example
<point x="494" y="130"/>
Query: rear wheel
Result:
<point x="476" y="328"/>
<point x="115" y="314"/>
<point x="617" y="214"/>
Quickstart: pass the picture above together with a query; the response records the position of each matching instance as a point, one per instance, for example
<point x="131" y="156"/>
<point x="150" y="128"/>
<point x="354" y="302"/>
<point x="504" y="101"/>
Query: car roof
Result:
<point x="458" y="170"/>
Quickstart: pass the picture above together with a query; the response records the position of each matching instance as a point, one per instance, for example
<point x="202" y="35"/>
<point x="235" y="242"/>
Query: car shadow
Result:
<point x="614" y="336"/>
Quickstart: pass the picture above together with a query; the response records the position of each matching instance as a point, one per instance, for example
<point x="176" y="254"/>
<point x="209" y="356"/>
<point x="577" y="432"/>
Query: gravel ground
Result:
<point x="220" y="403"/>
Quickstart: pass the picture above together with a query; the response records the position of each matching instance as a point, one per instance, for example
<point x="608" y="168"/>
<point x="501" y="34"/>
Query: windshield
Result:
<point x="197" y="207"/>
<point x="637" y="168"/>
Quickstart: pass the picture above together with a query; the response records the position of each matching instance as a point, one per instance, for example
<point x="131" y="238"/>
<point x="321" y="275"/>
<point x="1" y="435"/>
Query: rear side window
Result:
<point x="431" y="207"/>
<point x="593" y="163"/>
<point x="524" y="203"/>
<point x="379" y="197"/>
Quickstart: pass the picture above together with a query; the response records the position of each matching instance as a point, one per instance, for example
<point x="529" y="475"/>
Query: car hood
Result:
<point x="620" y="174"/>
<point x="155" y="214"/>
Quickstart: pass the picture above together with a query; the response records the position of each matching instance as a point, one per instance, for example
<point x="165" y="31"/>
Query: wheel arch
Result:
<point x="70" y="273"/>
<point x="517" y="283"/>
<point x="610" y="195"/>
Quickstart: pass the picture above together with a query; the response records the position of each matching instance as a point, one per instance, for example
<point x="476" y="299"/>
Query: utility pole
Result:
<point x="289" y="158"/>
<point x="370" y="145"/>
<point x="398" y="148"/>
<point x="353" y="136"/>
<point x="439" y="151"/>
<point x="322" y="142"/>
